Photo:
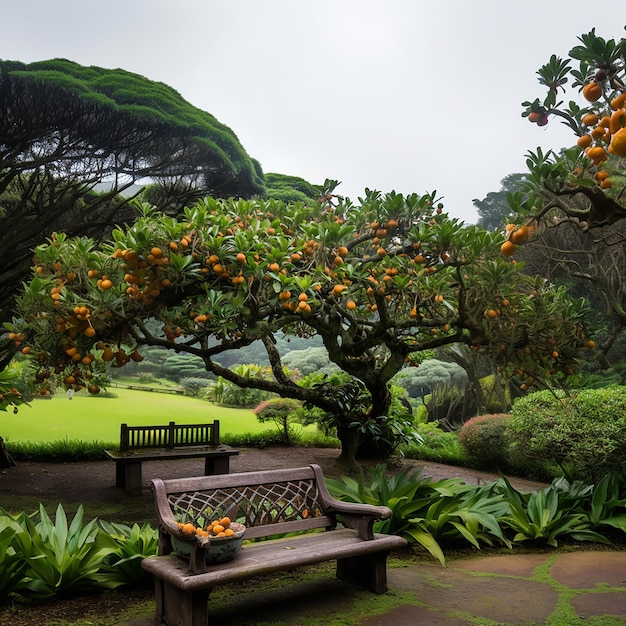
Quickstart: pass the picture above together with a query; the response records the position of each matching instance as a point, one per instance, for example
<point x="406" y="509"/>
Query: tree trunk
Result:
<point x="350" y="440"/>
<point x="6" y="460"/>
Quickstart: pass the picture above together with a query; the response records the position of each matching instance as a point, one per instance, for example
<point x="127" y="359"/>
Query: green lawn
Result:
<point x="98" y="418"/>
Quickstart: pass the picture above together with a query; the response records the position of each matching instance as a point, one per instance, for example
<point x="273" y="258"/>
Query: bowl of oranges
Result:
<point x="223" y="537"/>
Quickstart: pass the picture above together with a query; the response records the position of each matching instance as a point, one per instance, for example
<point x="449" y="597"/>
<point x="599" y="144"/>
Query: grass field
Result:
<point x="98" y="418"/>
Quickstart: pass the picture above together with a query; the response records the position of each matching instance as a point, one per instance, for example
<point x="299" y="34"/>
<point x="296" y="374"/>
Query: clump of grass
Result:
<point x="59" y="451"/>
<point x="437" y="446"/>
<point x="69" y="450"/>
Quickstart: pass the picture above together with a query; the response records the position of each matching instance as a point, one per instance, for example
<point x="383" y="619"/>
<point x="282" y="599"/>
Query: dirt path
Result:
<point x="24" y="486"/>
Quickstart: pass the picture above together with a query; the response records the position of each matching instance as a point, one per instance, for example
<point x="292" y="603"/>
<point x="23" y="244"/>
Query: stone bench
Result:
<point x="268" y="503"/>
<point x="164" y="443"/>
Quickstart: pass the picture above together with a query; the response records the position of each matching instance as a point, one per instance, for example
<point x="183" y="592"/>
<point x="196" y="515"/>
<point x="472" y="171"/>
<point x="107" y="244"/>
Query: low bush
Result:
<point x="283" y="413"/>
<point x="582" y="432"/>
<point x="437" y="445"/>
<point x="484" y="438"/>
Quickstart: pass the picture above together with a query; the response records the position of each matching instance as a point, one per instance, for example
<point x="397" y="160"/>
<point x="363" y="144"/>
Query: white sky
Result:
<point x="404" y="95"/>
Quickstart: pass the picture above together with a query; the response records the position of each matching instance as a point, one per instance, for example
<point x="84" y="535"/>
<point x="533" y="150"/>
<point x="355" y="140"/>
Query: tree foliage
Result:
<point x="65" y="128"/>
<point x="376" y="282"/>
<point x="583" y="183"/>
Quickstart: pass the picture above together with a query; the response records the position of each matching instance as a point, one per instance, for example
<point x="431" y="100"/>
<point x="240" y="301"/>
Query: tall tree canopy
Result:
<point x="376" y="282"/>
<point x="64" y="128"/>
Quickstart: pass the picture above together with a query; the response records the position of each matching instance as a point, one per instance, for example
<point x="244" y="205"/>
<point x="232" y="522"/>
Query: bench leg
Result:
<point x="216" y="465"/>
<point x="120" y="475"/>
<point x="175" y="607"/>
<point x="368" y="571"/>
<point x="133" y="478"/>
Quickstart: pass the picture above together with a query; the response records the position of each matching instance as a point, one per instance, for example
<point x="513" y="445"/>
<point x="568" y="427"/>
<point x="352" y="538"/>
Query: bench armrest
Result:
<point x="360" y="517"/>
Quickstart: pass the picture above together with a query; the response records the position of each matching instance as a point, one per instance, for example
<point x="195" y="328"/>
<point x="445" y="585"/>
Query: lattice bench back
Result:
<point x="169" y="436"/>
<point x="268" y="503"/>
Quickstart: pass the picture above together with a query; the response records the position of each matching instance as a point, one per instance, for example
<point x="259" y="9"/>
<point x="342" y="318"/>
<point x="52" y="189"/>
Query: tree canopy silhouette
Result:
<point x="66" y="128"/>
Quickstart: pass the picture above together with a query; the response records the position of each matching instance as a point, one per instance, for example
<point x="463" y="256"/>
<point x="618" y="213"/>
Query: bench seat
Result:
<point x="272" y="556"/>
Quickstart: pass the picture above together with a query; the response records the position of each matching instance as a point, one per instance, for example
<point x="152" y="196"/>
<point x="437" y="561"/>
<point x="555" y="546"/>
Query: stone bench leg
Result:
<point x="216" y="465"/>
<point x="131" y="479"/>
<point x="175" y="607"/>
<point x="368" y="571"/>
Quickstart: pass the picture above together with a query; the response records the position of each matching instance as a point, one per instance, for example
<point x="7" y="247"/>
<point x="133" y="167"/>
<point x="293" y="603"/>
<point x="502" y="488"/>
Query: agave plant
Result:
<point x="542" y="515"/>
<point x="123" y="566"/>
<point x="427" y="512"/>
<point x="12" y="562"/>
<point x="606" y="507"/>
<point x="61" y="559"/>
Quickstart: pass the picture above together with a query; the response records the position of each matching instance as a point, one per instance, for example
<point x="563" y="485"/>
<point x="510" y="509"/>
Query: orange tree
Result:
<point x="378" y="282"/>
<point x="584" y="183"/>
<point x="582" y="187"/>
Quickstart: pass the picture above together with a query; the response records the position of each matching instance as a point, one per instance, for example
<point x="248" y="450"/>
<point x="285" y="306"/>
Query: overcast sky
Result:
<point x="404" y="95"/>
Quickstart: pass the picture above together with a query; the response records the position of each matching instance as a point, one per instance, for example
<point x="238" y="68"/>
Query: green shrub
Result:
<point x="583" y="432"/>
<point x="485" y="440"/>
<point x="437" y="445"/>
<point x="193" y="385"/>
<point x="281" y="411"/>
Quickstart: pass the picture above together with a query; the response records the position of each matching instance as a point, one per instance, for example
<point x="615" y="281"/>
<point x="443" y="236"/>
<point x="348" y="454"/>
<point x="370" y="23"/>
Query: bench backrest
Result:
<point x="268" y="502"/>
<point x="171" y="435"/>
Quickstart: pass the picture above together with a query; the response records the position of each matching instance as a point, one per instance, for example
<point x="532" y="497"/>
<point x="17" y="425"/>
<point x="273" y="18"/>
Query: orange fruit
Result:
<point x="105" y="284"/>
<point x="338" y="289"/>
<point x="342" y="251"/>
<point x="606" y="183"/>
<point x="520" y="235"/>
<point x="218" y="528"/>
<point x="598" y="153"/>
<point x="590" y="344"/>
<point x="156" y="252"/>
<point x="188" y="529"/>
<point x="592" y="91"/>
<point x="381" y="251"/>
<point x="507" y="249"/>
<point x="584" y="141"/>
<point x="351" y="304"/>
<point x="598" y="132"/>
<point x="534" y="116"/>
<point x="618" y="120"/>
<point x="273" y="267"/>
<point x="229" y="532"/>
<point x="90" y="331"/>
<point x="590" y="119"/>
<point x="241" y="258"/>
<point x="284" y="295"/>
<point x="618" y="143"/>
<point x="303" y="297"/>
<point x="602" y="175"/>
<point x="492" y="313"/>
<point x="618" y="102"/>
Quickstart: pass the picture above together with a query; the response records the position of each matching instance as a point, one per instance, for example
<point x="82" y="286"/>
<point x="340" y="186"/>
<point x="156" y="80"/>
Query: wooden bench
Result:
<point x="269" y="503"/>
<point x="167" y="442"/>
